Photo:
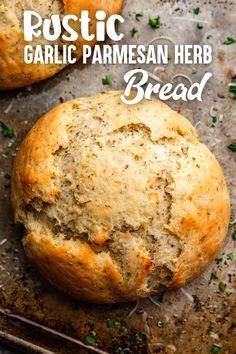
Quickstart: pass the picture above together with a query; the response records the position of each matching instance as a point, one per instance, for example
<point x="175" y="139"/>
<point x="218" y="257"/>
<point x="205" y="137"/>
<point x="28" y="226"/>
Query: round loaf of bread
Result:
<point x="119" y="202"/>
<point x="14" y="72"/>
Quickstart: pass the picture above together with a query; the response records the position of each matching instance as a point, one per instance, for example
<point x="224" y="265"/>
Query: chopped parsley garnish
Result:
<point x="199" y="25"/>
<point x="234" y="236"/>
<point x="161" y="324"/>
<point x="113" y="324"/>
<point x="215" y="349"/>
<point x="196" y="10"/>
<point x="177" y="9"/>
<point x="232" y="146"/>
<point x="194" y="71"/>
<point x="232" y="223"/>
<point x="134" y="31"/>
<point x="232" y="88"/>
<point x="228" y="293"/>
<point x="6" y="132"/>
<point x="209" y="36"/>
<point x="219" y="260"/>
<point x="8" y="250"/>
<point x="106" y="80"/>
<point x="154" y="22"/>
<point x="140" y="337"/>
<point x="123" y="329"/>
<point x="229" y="40"/>
<point x="230" y="256"/>
<point x="222" y="286"/>
<point x="90" y="340"/>
<point x="135" y="340"/>
<point x="138" y="15"/>
<point x="214" y="276"/>
<point x="214" y="121"/>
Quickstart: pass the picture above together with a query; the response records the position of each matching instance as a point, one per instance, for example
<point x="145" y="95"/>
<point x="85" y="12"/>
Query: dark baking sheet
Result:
<point x="182" y="323"/>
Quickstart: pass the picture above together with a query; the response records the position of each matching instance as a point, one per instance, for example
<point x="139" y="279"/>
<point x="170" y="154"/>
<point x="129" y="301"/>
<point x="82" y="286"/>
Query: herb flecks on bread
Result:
<point x="119" y="202"/>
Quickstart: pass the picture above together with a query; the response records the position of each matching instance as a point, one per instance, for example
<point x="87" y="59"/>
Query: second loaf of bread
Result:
<point x="14" y="72"/>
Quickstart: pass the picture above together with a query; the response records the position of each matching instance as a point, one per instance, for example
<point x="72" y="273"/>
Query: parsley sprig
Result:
<point x="138" y="15"/>
<point x="199" y="25"/>
<point x="155" y="22"/>
<point x="229" y="40"/>
<point x="215" y="349"/>
<point x="6" y="131"/>
<point x="90" y="340"/>
<point x="222" y="286"/>
<point x="232" y="146"/>
<point x="214" y="276"/>
<point x="134" y="31"/>
<point x="196" y="11"/>
<point x="232" y="89"/>
<point x="106" y="80"/>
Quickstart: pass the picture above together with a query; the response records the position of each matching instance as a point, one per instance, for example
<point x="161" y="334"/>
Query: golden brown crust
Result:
<point x="73" y="271"/>
<point x="204" y="226"/>
<point x="73" y="268"/>
<point x="86" y="235"/>
<point x="30" y="180"/>
<point x="31" y="168"/>
<point x="15" y="73"/>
